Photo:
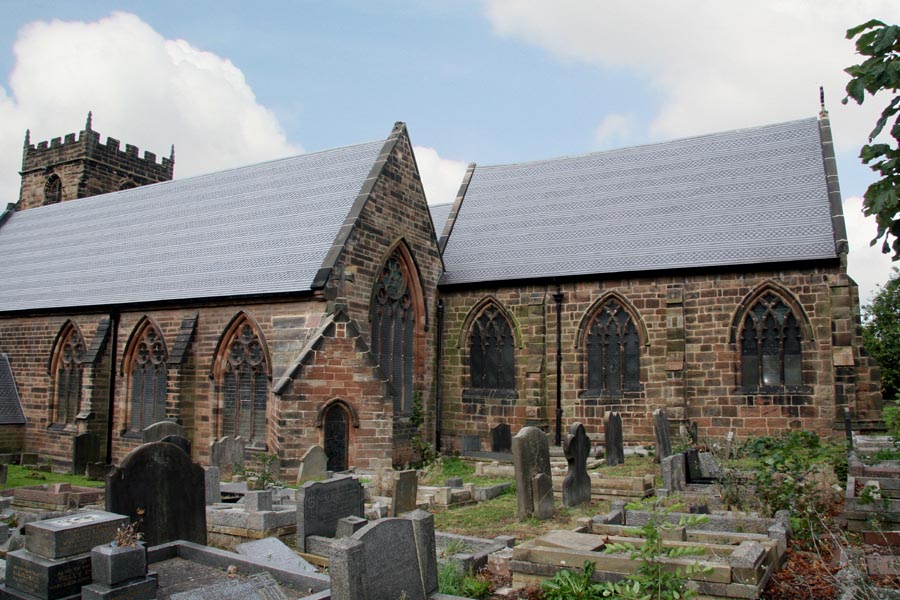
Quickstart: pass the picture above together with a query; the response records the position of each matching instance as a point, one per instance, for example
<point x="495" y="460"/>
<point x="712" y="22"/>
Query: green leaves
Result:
<point x="881" y="334"/>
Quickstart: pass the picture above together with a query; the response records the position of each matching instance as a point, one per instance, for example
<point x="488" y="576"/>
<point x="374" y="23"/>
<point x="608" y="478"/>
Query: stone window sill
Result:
<point x="63" y="428"/>
<point x="133" y="435"/>
<point x="500" y="394"/>
<point x="774" y="390"/>
<point x="595" y="394"/>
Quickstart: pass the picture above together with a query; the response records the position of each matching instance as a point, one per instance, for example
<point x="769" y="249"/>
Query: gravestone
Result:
<point x="694" y="472"/>
<point x="313" y="465"/>
<point x="258" y="501"/>
<point x="501" y="438"/>
<point x="673" y="472"/>
<point x="85" y="449"/>
<point x="661" y="433"/>
<point x="227" y="453"/>
<point x="405" y="488"/>
<point x="454" y="482"/>
<point x="160" y="480"/>
<point x="695" y="438"/>
<point x="531" y="456"/>
<point x="272" y="552"/>
<point x="320" y="504"/>
<point x="212" y="484"/>
<point x="470" y="443"/>
<point x="576" y="487"/>
<point x="848" y="428"/>
<point x="361" y="568"/>
<point x="729" y="444"/>
<point x="615" y="446"/>
<point x="56" y="560"/>
<point x="709" y="468"/>
<point x="349" y="525"/>
<point x="161" y="429"/>
<point x="542" y="490"/>
<point x="120" y="572"/>
<point x="181" y="442"/>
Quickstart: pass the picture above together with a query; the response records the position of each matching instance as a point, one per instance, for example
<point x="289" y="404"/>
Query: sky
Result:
<point x="231" y="83"/>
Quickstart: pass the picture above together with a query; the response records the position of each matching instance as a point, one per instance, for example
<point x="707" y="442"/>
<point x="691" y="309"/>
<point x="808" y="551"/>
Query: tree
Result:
<point x="881" y="333"/>
<point x="880" y="72"/>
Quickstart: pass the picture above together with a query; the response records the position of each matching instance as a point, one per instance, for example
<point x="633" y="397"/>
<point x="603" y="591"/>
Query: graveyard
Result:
<point x="790" y="516"/>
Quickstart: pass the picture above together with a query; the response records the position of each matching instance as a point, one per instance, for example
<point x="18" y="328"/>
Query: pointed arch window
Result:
<point x="771" y="342"/>
<point x="148" y="375"/>
<point x="245" y="385"/>
<point x="492" y="351"/>
<point x="613" y="351"/>
<point x="53" y="190"/>
<point x="393" y="317"/>
<point x="69" y="374"/>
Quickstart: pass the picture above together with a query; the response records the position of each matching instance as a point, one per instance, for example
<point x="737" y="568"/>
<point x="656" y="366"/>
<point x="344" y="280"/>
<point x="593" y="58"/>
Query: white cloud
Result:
<point x="142" y="88"/>
<point x="718" y="64"/>
<point x="866" y="264"/>
<point x="615" y="130"/>
<point x="440" y="176"/>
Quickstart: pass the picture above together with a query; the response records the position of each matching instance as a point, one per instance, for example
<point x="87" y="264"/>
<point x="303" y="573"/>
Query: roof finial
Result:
<point x="87" y="125"/>
<point x="823" y="114"/>
<point x="172" y="153"/>
<point x="27" y="137"/>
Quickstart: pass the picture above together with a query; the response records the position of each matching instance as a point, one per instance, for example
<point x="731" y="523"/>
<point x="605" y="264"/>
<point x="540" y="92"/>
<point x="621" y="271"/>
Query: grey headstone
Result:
<point x="576" y="487"/>
<point x="673" y="472"/>
<point x="349" y="525"/>
<point x="227" y="453"/>
<point x="258" y="501"/>
<point x="161" y="429"/>
<point x="28" y="459"/>
<point x="501" y="438"/>
<point x="406" y="486"/>
<point x="542" y="488"/>
<point x="709" y="468"/>
<point x="729" y="443"/>
<point x="180" y="441"/>
<point x="531" y="456"/>
<point x="347" y="569"/>
<point x="615" y="446"/>
<point x="272" y="552"/>
<point x="85" y="449"/>
<point x="423" y="529"/>
<point x="662" y="435"/>
<point x="848" y="428"/>
<point x="471" y="443"/>
<point x="320" y="504"/>
<point x="160" y="480"/>
<point x="313" y="465"/>
<point x="212" y="482"/>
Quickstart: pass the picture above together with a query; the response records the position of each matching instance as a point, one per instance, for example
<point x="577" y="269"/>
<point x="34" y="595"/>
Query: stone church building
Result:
<point x="318" y="300"/>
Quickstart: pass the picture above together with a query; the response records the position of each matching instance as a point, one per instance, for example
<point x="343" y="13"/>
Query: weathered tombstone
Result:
<point x="709" y="468"/>
<point x="272" y="552"/>
<point x="212" y="484"/>
<point x="673" y="469"/>
<point x="501" y="438"/>
<point x="161" y="429"/>
<point x="470" y="443"/>
<point x="361" y="568"/>
<point x="85" y="449"/>
<point x="227" y="453"/>
<point x="313" y="465"/>
<point x="119" y="572"/>
<point x="661" y="433"/>
<point x="160" y="480"/>
<point x="181" y="442"/>
<point x="542" y="490"/>
<point x="576" y="487"/>
<point x="694" y="471"/>
<point x="454" y="482"/>
<point x="695" y="438"/>
<point x="848" y="428"/>
<point x="405" y="488"/>
<point x="320" y="504"/>
<point x="56" y="560"/>
<point x="729" y="445"/>
<point x="615" y="446"/>
<point x="531" y="456"/>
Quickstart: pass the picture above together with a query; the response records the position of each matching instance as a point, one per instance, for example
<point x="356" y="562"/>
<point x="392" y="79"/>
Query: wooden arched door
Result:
<point x="337" y="437"/>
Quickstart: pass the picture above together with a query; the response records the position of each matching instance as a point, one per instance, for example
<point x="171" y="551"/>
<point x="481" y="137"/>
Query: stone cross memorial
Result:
<point x="615" y="447"/>
<point x="661" y="433"/>
<point x="576" y="487"/>
<point x="531" y="456"/>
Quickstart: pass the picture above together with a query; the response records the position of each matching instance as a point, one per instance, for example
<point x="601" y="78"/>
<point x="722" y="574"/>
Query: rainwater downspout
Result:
<point x="110" y="418"/>
<point x="558" y="297"/>
<point x="437" y="376"/>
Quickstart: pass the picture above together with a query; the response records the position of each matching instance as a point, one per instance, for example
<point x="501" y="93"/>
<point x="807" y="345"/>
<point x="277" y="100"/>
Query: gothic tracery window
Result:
<point x="393" y="330"/>
<point x="148" y="375"/>
<point x="770" y="344"/>
<point x="69" y="369"/>
<point x="492" y="351"/>
<point x="53" y="190"/>
<point x="612" y="350"/>
<point x="245" y="386"/>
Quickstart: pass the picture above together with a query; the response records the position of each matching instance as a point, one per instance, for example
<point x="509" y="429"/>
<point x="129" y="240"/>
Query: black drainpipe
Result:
<point x="558" y="297"/>
<point x="113" y="350"/>
<point x="437" y="374"/>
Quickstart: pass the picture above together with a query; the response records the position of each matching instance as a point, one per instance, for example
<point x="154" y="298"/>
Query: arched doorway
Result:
<point x="336" y="425"/>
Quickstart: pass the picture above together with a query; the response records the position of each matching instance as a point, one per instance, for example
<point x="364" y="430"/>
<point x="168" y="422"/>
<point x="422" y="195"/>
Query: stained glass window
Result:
<point x="492" y="351"/>
<point x="613" y="350"/>
<point x="245" y="386"/>
<point x="69" y="375"/>
<point x="148" y="380"/>
<point x="770" y="345"/>
<point x="393" y="331"/>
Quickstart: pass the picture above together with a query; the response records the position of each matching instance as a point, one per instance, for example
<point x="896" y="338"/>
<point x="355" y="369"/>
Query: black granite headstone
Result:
<point x="85" y="449"/>
<point x="160" y="480"/>
<point x="501" y="438"/>
<point x="694" y="468"/>
<point x="576" y="487"/>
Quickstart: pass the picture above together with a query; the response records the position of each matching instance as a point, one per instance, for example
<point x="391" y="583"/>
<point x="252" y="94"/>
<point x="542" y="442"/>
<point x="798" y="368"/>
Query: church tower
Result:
<point x="69" y="168"/>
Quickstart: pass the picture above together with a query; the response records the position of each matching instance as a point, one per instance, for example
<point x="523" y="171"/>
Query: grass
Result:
<point x="20" y="476"/>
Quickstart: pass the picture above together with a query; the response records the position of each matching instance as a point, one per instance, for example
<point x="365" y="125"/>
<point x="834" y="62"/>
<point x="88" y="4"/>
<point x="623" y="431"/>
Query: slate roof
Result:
<point x="439" y="214"/>
<point x="264" y="228"/>
<point x="740" y="197"/>
<point x="10" y="404"/>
